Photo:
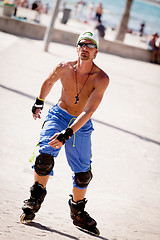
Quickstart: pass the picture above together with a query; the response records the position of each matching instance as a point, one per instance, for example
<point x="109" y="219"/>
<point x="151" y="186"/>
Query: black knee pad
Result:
<point x="44" y="164"/>
<point x="82" y="179"/>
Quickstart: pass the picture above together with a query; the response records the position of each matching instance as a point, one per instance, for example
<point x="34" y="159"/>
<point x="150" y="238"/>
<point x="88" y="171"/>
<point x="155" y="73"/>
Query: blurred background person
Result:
<point x="141" y="31"/>
<point x="154" y="47"/>
<point x="100" y="29"/>
<point x="99" y="11"/>
<point x="91" y="9"/>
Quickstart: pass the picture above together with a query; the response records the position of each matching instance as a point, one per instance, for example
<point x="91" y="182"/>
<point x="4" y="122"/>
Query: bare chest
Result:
<point x="78" y="85"/>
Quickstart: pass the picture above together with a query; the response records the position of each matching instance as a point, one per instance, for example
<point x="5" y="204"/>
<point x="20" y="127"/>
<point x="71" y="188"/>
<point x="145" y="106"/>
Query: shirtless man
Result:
<point x="99" y="11"/>
<point x="68" y="123"/>
<point x="154" y="48"/>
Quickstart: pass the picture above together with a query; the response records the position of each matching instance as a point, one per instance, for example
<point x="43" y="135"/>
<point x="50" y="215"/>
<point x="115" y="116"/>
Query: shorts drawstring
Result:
<point x="72" y="119"/>
<point x="33" y="154"/>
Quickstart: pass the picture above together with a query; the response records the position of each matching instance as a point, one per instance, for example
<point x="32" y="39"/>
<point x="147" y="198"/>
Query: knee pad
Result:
<point x="44" y="164"/>
<point x="82" y="179"/>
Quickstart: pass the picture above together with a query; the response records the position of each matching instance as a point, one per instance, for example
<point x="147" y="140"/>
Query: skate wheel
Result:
<point x="96" y="231"/>
<point x="22" y="218"/>
<point x="25" y="219"/>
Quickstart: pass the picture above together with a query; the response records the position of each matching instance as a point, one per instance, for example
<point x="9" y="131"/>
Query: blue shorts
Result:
<point x="77" y="148"/>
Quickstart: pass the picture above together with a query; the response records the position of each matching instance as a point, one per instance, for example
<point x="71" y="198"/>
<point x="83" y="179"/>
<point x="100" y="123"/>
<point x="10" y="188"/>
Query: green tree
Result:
<point x="123" y="26"/>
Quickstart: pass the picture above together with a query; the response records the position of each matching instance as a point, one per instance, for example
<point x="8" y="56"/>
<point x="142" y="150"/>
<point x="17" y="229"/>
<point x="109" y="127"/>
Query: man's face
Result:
<point x="86" y="49"/>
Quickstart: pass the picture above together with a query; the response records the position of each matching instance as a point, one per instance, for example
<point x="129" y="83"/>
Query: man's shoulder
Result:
<point x="102" y="77"/>
<point x="66" y="65"/>
<point x="63" y="67"/>
<point x="101" y="74"/>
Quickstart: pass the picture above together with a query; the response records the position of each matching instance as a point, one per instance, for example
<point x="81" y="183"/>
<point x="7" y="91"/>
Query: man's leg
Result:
<point x="41" y="179"/>
<point x="43" y="166"/>
<point x="79" y="154"/>
<point x="156" y="56"/>
<point x="78" y="201"/>
<point x="153" y="56"/>
<point x="79" y="194"/>
<point x="78" y="214"/>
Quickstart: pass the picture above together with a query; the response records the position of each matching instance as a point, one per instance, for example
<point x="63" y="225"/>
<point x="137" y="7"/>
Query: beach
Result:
<point x="124" y="194"/>
<point x="78" y="25"/>
<point x="157" y="3"/>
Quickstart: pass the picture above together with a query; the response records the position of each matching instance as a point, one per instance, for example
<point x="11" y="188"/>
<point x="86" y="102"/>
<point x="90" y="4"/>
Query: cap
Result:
<point x="89" y="35"/>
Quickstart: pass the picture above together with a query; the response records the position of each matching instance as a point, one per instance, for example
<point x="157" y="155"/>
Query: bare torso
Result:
<point x="69" y="88"/>
<point x="99" y="9"/>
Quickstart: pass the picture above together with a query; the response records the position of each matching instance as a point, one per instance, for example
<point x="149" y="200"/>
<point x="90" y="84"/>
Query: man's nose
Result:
<point x="85" y="47"/>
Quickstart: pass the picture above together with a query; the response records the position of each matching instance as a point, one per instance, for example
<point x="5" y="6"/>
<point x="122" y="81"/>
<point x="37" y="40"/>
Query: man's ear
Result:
<point x="95" y="54"/>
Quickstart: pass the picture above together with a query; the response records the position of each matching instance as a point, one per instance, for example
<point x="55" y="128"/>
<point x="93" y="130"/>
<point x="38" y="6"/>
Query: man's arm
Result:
<point x="47" y="86"/>
<point x="91" y="105"/>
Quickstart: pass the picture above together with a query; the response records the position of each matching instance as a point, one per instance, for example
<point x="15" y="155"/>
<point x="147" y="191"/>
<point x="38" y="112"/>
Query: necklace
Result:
<point x="78" y="93"/>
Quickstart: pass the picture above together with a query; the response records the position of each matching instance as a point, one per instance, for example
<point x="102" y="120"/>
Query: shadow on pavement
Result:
<point x="44" y="228"/>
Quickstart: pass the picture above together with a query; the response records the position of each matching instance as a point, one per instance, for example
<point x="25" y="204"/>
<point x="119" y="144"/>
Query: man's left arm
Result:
<point x="92" y="104"/>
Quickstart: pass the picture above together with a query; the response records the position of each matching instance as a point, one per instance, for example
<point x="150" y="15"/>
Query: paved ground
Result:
<point x="124" y="194"/>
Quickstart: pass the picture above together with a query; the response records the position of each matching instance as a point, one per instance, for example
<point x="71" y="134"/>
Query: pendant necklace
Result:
<point x="78" y="93"/>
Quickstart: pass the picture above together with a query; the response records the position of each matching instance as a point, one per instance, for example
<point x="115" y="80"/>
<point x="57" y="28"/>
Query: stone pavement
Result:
<point x="124" y="194"/>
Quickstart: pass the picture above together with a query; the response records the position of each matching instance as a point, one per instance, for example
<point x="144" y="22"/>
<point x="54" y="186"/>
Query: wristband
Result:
<point x="65" y="135"/>
<point x="39" y="103"/>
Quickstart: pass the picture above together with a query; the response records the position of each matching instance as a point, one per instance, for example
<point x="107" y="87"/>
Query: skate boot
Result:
<point x="81" y="218"/>
<point x="33" y="204"/>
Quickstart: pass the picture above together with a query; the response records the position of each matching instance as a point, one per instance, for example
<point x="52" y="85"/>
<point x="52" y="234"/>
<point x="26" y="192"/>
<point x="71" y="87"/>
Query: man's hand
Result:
<point x="59" y="139"/>
<point x="37" y="114"/>
<point x="37" y="107"/>
<point x="54" y="142"/>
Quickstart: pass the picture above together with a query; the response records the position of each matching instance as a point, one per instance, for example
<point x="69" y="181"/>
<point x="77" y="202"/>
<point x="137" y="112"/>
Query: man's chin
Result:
<point x="84" y="58"/>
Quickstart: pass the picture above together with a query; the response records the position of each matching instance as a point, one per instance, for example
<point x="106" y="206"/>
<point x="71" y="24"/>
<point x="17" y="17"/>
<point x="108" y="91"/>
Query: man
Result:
<point x="69" y="123"/>
<point x="99" y="11"/>
<point x="154" y="48"/>
<point x="100" y="28"/>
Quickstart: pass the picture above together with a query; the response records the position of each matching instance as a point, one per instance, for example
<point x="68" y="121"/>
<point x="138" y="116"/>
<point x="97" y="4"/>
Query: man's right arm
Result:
<point x="51" y="80"/>
<point x="47" y="86"/>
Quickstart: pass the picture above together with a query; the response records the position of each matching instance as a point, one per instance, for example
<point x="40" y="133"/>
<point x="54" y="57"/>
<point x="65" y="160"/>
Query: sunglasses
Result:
<point x="89" y="45"/>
